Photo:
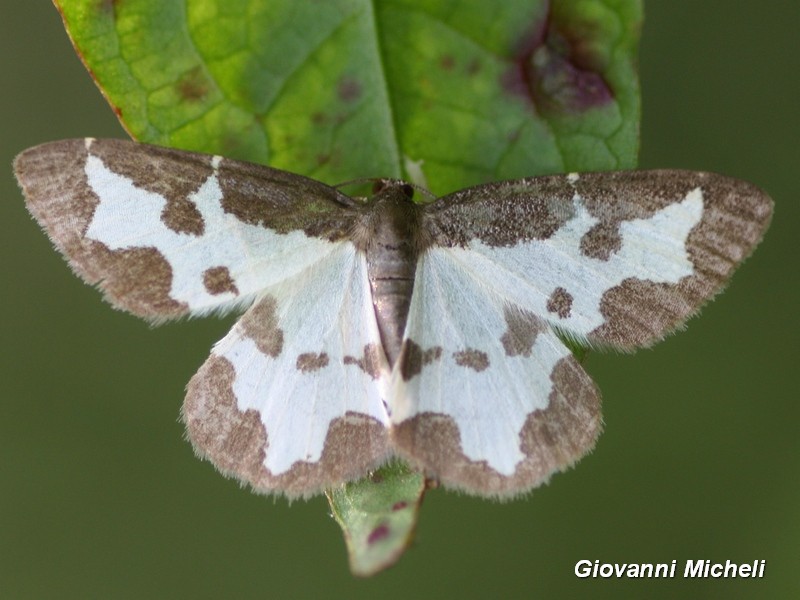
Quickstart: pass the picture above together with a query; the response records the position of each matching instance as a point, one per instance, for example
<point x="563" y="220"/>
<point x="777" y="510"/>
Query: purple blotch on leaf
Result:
<point x="381" y="532"/>
<point x="554" y="66"/>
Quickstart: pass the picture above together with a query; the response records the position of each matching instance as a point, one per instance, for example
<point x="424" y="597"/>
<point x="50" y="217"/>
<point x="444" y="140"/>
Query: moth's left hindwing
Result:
<point x="290" y="401"/>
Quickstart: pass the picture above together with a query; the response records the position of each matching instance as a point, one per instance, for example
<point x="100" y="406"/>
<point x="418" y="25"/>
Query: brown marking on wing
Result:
<point x="308" y="362"/>
<point x="370" y="362"/>
<point x="284" y="202"/>
<point x="521" y="332"/>
<point x="236" y="442"/>
<point x="601" y="241"/>
<point x="138" y="280"/>
<point x="156" y="171"/>
<point x="218" y="280"/>
<point x="560" y="302"/>
<point x="53" y="178"/>
<point x="260" y="323"/>
<point x="499" y="214"/>
<point x="551" y="439"/>
<point x="413" y="358"/>
<point x="735" y="216"/>
<point x="472" y="359"/>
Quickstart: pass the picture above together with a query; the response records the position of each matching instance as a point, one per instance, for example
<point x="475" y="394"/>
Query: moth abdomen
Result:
<point x="392" y="221"/>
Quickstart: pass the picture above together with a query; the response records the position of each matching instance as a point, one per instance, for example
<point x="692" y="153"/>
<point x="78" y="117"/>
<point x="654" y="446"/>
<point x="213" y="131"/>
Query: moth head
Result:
<point x="395" y="187"/>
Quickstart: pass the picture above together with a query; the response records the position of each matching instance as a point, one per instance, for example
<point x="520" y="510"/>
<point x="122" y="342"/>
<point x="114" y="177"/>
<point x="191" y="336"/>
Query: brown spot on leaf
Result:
<point x="399" y="505"/>
<point x="106" y="6"/>
<point x="413" y="358"/>
<point x="193" y="85"/>
<point x="447" y="62"/>
<point x="560" y="302"/>
<point x="560" y="84"/>
<point x="522" y="329"/>
<point x="260" y="323"/>
<point x="218" y="280"/>
<point x="556" y="67"/>
<point x="472" y="359"/>
<point x="349" y="89"/>
<point x="309" y="362"/>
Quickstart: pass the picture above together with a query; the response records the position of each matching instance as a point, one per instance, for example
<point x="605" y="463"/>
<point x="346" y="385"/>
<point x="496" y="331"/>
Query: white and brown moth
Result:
<point x="382" y="327"/>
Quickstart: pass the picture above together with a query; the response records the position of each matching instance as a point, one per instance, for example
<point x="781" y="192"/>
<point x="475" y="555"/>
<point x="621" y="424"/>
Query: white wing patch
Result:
<point x="251" y="257"/>
<point x="475" y="373"/>
<point x="305" y="356"/>
<point x="530" y="273"/>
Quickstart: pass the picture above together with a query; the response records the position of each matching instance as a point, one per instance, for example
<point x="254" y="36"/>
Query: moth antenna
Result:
<point x="357" y="181"/>
<point x="378" y="184"/>
<point x="424" y="191"/>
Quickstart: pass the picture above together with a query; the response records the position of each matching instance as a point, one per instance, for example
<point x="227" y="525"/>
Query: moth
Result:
<point x="381" y="327"/>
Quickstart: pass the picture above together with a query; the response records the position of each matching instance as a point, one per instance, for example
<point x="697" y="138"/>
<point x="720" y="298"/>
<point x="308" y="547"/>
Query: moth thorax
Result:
<point x="392" y="261"/>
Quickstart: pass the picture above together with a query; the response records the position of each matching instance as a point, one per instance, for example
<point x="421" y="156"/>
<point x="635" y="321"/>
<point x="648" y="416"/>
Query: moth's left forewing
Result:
<point x="165" y="232"/>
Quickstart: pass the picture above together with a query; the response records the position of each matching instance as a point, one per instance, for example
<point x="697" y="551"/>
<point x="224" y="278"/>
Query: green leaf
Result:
<point x="378" y="515"/>
<point x="471" y="91"/>
<point x="446" y="93"/>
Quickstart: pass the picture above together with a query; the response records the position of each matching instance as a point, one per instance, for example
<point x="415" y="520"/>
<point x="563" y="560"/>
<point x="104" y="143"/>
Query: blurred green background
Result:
<point x="101" y="497"/>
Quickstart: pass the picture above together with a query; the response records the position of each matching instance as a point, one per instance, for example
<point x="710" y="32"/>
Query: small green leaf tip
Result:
<point x="378" y="515"/>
